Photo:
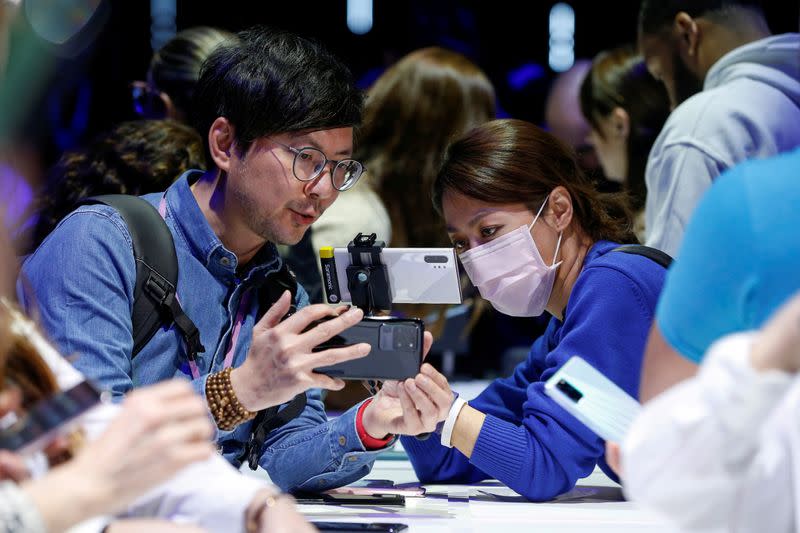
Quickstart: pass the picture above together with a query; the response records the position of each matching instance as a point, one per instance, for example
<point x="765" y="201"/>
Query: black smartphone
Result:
<point x="33" y="430"/>
<point x="358" y="527"/>
<point x="396" y="349"/>
<point x="351" y="499"/>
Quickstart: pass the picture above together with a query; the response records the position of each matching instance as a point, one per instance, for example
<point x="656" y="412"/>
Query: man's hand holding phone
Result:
<point x="281" y="360"/>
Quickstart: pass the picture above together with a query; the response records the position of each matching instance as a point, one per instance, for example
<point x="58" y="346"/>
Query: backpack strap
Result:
<point x="654" y="254"/>
<point x="154" y="294"/>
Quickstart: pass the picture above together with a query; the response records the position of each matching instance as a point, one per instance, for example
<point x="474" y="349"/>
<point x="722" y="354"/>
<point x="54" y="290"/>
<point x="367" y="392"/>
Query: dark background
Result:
<point x="85" y="89"/>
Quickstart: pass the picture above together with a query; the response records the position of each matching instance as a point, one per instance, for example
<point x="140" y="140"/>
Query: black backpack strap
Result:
<point x="270" y="419"/>
<point x="154" y="300"/>
<point x="266" y="421"/>
<point x="654" y="254"/>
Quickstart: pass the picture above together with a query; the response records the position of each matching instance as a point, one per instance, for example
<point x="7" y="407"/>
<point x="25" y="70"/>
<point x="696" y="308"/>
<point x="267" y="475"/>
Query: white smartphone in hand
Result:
<point x="599" y="403"/>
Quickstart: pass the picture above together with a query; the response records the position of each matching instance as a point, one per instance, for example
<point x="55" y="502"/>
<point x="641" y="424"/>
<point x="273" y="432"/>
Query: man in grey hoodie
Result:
<point x="735" y="91"/>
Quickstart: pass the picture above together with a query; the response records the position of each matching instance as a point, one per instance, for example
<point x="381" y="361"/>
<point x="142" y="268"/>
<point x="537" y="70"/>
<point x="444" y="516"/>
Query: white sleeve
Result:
<point x="695" y="450"/>
<point x="211" y="494"/>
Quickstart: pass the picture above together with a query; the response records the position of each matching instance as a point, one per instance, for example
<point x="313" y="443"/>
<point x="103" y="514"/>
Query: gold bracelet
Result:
<point x="225" y="407"/>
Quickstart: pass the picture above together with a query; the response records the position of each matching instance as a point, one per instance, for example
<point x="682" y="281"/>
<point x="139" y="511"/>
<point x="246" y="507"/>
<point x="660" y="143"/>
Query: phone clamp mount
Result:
<point x="368" y="283"/>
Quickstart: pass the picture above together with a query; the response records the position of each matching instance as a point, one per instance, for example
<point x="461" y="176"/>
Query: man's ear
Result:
<point x="221" y="143"/>
<point x="687" y="34"/>
<point x="621" y="122"/>
<point x="560" y="207"/>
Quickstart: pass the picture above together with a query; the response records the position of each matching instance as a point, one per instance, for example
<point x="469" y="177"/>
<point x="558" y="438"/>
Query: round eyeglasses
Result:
<point x="310" y="162"/>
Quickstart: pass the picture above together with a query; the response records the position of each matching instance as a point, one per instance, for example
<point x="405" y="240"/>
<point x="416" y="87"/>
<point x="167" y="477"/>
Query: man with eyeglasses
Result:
<point x="277" y="112"/>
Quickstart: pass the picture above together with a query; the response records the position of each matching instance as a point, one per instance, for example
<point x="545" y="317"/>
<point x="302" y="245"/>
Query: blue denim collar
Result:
<point x="193" y="228"/>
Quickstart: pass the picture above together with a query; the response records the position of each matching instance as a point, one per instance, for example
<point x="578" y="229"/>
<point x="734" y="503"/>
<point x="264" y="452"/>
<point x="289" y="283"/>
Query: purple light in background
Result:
<point x="524" y="75"/>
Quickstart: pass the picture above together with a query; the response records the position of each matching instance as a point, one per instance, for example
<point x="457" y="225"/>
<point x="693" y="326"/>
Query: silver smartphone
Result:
<point x="588" y="395"/>
<point x="416" y="275"/>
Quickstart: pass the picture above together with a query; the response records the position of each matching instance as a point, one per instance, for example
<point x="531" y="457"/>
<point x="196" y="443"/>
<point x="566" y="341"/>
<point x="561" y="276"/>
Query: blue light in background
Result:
<point x="359" y="16"/>
<point x="562" y="37"/>
<point x="525" y="74"/>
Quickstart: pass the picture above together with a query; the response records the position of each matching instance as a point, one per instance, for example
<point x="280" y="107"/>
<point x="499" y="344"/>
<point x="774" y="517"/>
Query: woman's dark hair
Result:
<point x="510" y="161"/>
<point x="413" y="111"/>
<point x="270" y="81"/>
<point x="175" y="67"/>
<point x="136" y="157"/>
<point x="619" y="78"/>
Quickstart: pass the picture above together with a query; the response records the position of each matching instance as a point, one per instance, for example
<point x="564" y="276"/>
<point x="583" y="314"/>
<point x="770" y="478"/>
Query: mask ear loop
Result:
<point x="539" y="212"/>
<point x="558" y="245"/>
<point x="560" y="234"/>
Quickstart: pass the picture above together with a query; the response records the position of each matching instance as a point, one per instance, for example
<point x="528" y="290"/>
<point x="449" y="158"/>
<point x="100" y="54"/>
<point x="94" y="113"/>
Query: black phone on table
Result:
<point x="359" y="527"/>
<point x="351" y="499"/>
<point x="37" y="427"/>
<point x="396" y="349"/>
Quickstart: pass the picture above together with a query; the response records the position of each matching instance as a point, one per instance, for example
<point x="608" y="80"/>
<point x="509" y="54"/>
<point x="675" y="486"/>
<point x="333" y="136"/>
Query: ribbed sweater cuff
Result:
<point x="421" y="449"/>
<point x="500" y="449"/>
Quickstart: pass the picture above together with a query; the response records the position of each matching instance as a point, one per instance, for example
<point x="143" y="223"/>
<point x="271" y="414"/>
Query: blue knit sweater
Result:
<point x="527" y="441"/>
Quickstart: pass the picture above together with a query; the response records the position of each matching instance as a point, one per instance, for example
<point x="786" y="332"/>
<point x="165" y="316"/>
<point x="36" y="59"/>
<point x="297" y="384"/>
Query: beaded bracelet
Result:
<point x="225" y="407"/>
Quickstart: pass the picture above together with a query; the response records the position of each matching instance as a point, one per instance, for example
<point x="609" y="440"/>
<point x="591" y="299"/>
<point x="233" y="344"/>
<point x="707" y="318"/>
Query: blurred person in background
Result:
<point x="174" y="71"/>
<point x="747" y="213"/>
<point x="412" y="113"/>
<point x="136" y="157"/>
<point x="563" y="118"/>
<point x="719" y="451"/>
<point x="626" y="108"/>
<point x="735" y="90"/>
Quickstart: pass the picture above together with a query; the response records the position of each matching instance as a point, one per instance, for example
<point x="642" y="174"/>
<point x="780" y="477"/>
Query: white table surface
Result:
<point x="595" y="504"/>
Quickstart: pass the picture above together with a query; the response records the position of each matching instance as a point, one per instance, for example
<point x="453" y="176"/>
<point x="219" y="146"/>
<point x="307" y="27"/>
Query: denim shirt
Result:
<point x="82" y="279"/>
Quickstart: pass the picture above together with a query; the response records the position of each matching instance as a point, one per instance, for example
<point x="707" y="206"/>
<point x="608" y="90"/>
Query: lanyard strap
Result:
<point x="241" y="314"/>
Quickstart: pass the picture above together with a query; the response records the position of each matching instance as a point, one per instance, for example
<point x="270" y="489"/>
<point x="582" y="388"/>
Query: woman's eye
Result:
<point x="488" y="232"/>
<point x="458" y="245"/>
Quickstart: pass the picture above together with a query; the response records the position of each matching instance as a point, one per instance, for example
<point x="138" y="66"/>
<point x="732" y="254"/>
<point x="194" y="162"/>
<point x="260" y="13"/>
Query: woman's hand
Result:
<point x="158" y="431"/>
<point x="412" y="406"/>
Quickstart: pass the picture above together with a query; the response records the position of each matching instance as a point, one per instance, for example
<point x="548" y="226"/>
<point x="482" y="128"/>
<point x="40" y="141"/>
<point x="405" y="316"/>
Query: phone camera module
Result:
<point x="398" y="337"/>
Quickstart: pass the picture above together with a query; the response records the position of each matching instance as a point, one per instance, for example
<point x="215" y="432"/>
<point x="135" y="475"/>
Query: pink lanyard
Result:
<point x="241" y="314"/>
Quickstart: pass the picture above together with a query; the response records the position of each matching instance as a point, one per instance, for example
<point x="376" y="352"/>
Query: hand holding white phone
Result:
<point x="592" y="398"/>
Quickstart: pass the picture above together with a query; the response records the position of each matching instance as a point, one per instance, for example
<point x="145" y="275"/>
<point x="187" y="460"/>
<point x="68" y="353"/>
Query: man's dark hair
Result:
<point x="271" y="81"/>
<point x="654" y="15"/>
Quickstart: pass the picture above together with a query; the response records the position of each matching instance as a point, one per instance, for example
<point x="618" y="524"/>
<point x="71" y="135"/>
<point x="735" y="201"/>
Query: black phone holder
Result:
<point x="368" y="283"/>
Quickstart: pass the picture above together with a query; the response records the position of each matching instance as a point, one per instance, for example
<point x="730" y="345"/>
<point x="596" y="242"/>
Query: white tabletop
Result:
<point x="595" y="504"/>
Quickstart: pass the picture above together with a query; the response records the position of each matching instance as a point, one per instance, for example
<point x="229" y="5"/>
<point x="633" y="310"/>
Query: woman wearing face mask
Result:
<point x="533" y="235"/>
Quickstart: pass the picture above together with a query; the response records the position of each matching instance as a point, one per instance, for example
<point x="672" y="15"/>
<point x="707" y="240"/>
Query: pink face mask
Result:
<point x="510" y="273"/>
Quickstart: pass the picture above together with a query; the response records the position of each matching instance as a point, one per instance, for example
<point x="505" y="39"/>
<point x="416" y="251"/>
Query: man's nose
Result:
<point x="322" y="186"/>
